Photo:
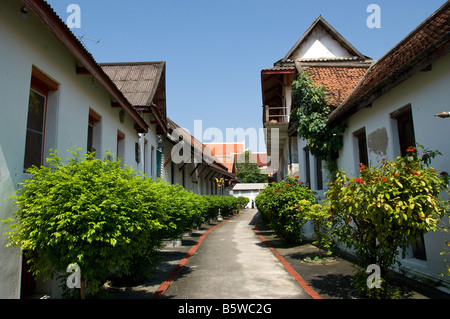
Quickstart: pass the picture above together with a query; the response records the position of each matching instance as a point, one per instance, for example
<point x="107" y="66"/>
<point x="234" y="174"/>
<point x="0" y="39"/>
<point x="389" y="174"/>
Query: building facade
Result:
<point x="386" y="106"/>
<point x="54" y="96"/>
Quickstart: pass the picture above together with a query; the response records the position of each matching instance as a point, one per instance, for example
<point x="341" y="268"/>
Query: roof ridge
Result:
<point x="334" y="33"/>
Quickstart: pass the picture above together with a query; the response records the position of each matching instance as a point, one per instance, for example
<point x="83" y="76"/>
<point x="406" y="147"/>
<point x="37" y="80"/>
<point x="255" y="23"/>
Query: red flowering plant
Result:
<point x="386" y="209"/>
<point x="284" y="206"/>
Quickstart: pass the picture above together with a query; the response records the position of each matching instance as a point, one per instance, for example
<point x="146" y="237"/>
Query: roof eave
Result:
<point x="407" y="70"/>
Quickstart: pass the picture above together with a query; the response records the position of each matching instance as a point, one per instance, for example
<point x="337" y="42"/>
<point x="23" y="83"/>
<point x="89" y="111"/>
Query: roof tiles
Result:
<point x="405" y="59"/>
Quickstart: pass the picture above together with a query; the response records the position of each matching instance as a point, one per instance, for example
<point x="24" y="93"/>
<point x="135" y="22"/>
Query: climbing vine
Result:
<point x="314" y="107"/>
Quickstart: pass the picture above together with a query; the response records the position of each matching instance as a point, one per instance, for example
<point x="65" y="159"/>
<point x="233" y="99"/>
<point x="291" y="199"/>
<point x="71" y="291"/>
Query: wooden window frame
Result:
<point x="319" y="174"/>
<point x="41" y="84"/>
<point x="94" y="119"/>
<point x="307" y="166"/>
<point x="363" y="155"/>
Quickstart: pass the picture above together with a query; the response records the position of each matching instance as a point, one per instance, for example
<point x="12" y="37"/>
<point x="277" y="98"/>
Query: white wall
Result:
<point x="320" y="44"/>
<point x="428" y="94"/>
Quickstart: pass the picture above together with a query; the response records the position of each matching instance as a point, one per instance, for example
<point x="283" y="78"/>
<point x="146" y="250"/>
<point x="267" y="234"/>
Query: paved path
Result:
<point x="233" y="262"/>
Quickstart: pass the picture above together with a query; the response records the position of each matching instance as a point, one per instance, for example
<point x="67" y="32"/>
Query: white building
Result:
<point x="333" y="62"/>
<point x="386" y="105"/>
<point x="393" y="107"/>
<point x="191" y="164"/>
<point x="249" y="190"/>
<point x="54" y="96"/>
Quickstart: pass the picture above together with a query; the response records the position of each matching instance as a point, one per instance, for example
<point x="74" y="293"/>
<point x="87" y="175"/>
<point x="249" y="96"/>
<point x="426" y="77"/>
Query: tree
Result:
<point x="247" y="171"/>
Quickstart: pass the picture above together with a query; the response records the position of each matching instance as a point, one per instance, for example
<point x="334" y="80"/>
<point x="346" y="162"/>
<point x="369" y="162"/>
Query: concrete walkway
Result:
<point x="232" y="262"/>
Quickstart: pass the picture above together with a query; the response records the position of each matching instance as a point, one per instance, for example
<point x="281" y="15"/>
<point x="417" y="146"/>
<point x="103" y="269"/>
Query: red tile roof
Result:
<point x="338" y="81"/>
<point x="220" y="149"/>
<point x="419" y="49"/>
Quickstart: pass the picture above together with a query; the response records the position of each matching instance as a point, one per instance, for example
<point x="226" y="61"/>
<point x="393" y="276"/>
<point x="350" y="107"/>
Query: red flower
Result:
<point x="396" y="174"/>
<point x="384" y="179"/>
<point x="444" y="174"/>
<point x="359" y="180"/>
<point x="411" y="149"/>
<point x="349" y="220"/>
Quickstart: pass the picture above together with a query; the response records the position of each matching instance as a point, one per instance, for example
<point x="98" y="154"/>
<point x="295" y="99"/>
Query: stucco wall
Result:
<point x="428" y="94"/>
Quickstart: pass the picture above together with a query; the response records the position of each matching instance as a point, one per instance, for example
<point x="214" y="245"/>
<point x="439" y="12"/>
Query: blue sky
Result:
<point x="216" y="49"/>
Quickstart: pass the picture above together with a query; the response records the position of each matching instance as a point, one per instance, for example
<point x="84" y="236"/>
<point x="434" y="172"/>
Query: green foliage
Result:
<point x="242" y="202"/>
<point x="248" y="171"/>
<point x="320" y="215"/>
<point x="284" y="205"/>
<point x="102" y="216"/>
<point x="311" y="115"/>
<point x="386" y="208"/>
<point x="88" y="211"/>
<point x="226" y="204"/>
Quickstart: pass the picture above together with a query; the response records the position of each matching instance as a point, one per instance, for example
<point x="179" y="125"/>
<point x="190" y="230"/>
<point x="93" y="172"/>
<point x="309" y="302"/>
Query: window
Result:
<point x="307" y="166"/>
<point x="319" y="179"/>
<point x="120" y="144"/>
<point x="293" y="150"/>
<point x="405" y="128"/>
<point x="35" y="129"/>
<point x="172" y="173"/>
<point x="158" y="162"/>
<point x="94" y="119"/>
<point x="152" y="162"/>
<point x="406" y="138"/>
<point x="40" y="87"/>
<point x="360" y="136"/>
<point x="183" y="178"/>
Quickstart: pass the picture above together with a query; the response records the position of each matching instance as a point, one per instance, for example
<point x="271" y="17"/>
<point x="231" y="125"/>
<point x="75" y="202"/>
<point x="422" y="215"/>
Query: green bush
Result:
<point x="90" y="212"/>
<point x="284" y="205"/>
<point x="386" y="208"/>
<point x="242" y="202"/>
<point x="226" y="204"/>
<point x="182" y="210"/>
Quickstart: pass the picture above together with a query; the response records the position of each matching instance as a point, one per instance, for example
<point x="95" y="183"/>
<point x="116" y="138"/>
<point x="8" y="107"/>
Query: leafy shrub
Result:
<point x="320" y="216"/>
<point x="90" y="212"/>
<point x="242" y="202"/>
<point x="284" y="205"/>
<point x="386" y="208"/>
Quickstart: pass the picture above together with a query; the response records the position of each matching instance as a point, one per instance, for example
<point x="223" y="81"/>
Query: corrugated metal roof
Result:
<point x="137" y="81"/>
